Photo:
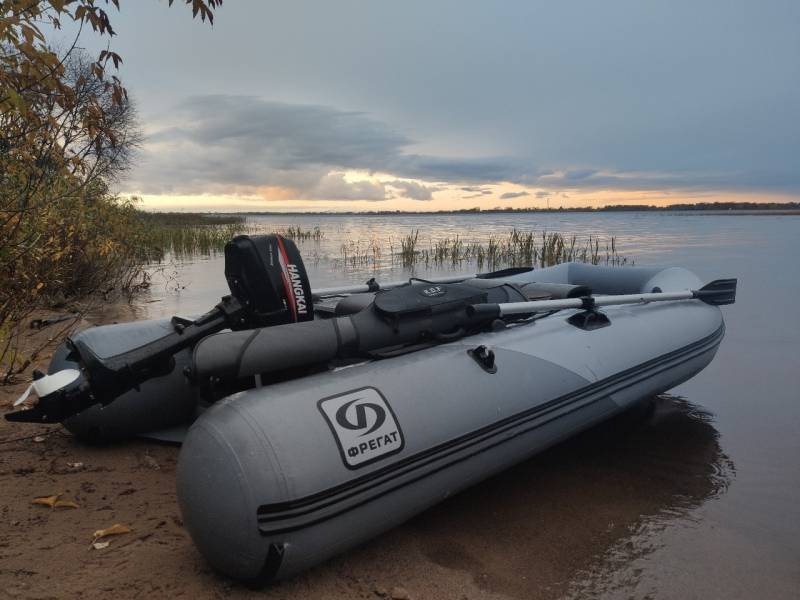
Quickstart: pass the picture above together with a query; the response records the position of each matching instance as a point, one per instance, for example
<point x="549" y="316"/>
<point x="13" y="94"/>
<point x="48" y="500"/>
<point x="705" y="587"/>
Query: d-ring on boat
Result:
<point x="337" y="414"/>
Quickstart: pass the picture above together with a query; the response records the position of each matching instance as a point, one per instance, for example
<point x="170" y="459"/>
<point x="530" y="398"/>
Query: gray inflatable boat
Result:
<point x="313" y="466"/>
<point x="324" y="432"/>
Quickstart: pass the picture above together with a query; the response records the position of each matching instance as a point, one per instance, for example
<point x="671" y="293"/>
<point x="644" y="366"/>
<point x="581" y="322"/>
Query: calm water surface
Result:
<point x="702" y="499"/>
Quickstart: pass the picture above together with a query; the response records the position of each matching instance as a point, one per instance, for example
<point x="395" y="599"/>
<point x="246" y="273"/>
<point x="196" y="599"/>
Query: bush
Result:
<point x="75" y="250"/>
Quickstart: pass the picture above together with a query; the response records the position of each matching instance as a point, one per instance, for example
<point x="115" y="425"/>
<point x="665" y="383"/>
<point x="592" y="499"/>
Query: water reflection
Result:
<point x="542" y="528"/>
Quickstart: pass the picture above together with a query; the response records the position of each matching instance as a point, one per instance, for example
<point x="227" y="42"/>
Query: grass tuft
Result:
<point x="518" y="248"/>
<point x="186" y="234"/>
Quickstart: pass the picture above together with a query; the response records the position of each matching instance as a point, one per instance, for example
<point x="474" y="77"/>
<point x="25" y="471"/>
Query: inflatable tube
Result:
<point x="276" y="479"/>
<point x="160" y="403"/>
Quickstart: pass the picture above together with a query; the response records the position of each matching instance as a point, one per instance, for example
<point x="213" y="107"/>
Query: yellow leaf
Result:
<point x="54" y="502"/>
<point x="116" y="529"/>
<point x="46" y="500"/>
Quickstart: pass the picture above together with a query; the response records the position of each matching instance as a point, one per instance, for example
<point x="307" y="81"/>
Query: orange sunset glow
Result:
<point x="445" y="197"/>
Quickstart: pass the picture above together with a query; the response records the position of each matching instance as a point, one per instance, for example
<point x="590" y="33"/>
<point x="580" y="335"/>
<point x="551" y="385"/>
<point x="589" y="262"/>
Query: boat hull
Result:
<point x="276" y="479"/>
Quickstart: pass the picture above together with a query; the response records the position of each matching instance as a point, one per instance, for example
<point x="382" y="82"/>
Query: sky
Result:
<point x="441" y="104"/>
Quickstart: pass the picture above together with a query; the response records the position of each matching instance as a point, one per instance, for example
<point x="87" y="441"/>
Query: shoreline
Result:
<point x="670" y="212"/>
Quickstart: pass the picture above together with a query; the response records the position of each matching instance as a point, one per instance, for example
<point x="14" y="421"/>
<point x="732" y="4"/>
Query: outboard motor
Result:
<point x="140" y="366"/>
<point x="266" y="274"/>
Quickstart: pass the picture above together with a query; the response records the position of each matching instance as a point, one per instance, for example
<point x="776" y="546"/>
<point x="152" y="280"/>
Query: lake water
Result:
<point x="699" y="499"/>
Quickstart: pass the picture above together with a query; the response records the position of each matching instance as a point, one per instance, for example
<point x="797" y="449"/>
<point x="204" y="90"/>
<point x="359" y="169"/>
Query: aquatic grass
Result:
<point x="200" y="235"/>
<point x="299" y="234"/>
<point x="518" y="248"/>
<point x="186" y="234"/>
<point x="187" y="219"/>
<point x="193" y="234"/>
<point x="361" y="253"/>
<point x="183" y="235"/>
<point x="408" y="248"/>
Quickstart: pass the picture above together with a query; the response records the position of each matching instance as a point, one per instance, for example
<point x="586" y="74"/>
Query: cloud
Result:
<point x="510" y="195"/>
<point x="579" y="174"/>
<point x="543" y="194"/>
<point x="227" y="144"/>
<point x="334" y="186"/>
<point x="606" y="98"/>
<point x="477" y="191"/>
<point x="412" y="189"/>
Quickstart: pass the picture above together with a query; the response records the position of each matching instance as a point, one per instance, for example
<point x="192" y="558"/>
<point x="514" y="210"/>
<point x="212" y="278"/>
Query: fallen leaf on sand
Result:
<point x="54" y="502"/>
<point x="46" y="500"/>
<point x="116" y="529"/>
<point x="65" y="504"/>
<point x="100" y="545"/>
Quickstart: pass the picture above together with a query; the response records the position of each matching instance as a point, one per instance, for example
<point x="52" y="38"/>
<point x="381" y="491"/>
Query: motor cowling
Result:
<point x="266" y="274"/>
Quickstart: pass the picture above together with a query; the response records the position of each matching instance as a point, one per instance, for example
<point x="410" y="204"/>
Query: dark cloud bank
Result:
<point x="230" y="142"/>
<point x="234" y="144"/>
<point x="510" y="195"/>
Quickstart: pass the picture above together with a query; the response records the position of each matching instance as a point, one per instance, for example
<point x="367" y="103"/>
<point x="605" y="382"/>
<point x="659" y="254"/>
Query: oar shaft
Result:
<point x="518" y="308"/>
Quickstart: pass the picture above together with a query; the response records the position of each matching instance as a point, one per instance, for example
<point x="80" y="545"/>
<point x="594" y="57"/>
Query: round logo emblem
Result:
<point x="362" y="419"/>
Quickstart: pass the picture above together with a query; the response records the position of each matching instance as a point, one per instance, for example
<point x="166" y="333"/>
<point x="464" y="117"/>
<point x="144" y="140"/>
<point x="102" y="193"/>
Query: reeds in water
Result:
<point x="518" y="248"/>
<point x="196" y="234"/>
<point x="299" y="234"/>
<point x="408" y="248"/>
<point x="186" y="234"/>
<point x="191" y="234"/>
<point x="359" y="254"/>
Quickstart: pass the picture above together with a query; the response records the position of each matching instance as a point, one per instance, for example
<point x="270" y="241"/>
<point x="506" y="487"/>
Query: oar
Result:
<point x="716" y="293"/>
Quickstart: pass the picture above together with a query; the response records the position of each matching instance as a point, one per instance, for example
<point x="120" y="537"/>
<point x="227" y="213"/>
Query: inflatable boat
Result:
<point x="329" y="416"/>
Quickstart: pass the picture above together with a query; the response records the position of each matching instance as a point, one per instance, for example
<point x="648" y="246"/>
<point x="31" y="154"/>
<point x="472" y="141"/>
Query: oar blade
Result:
<point x="718" y="293"/>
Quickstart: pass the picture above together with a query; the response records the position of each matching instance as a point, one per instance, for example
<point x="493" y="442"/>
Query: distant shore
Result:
<point x="383" y="213"/>
<point x="700" y="208"/>
<point x="734" y="213"/>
